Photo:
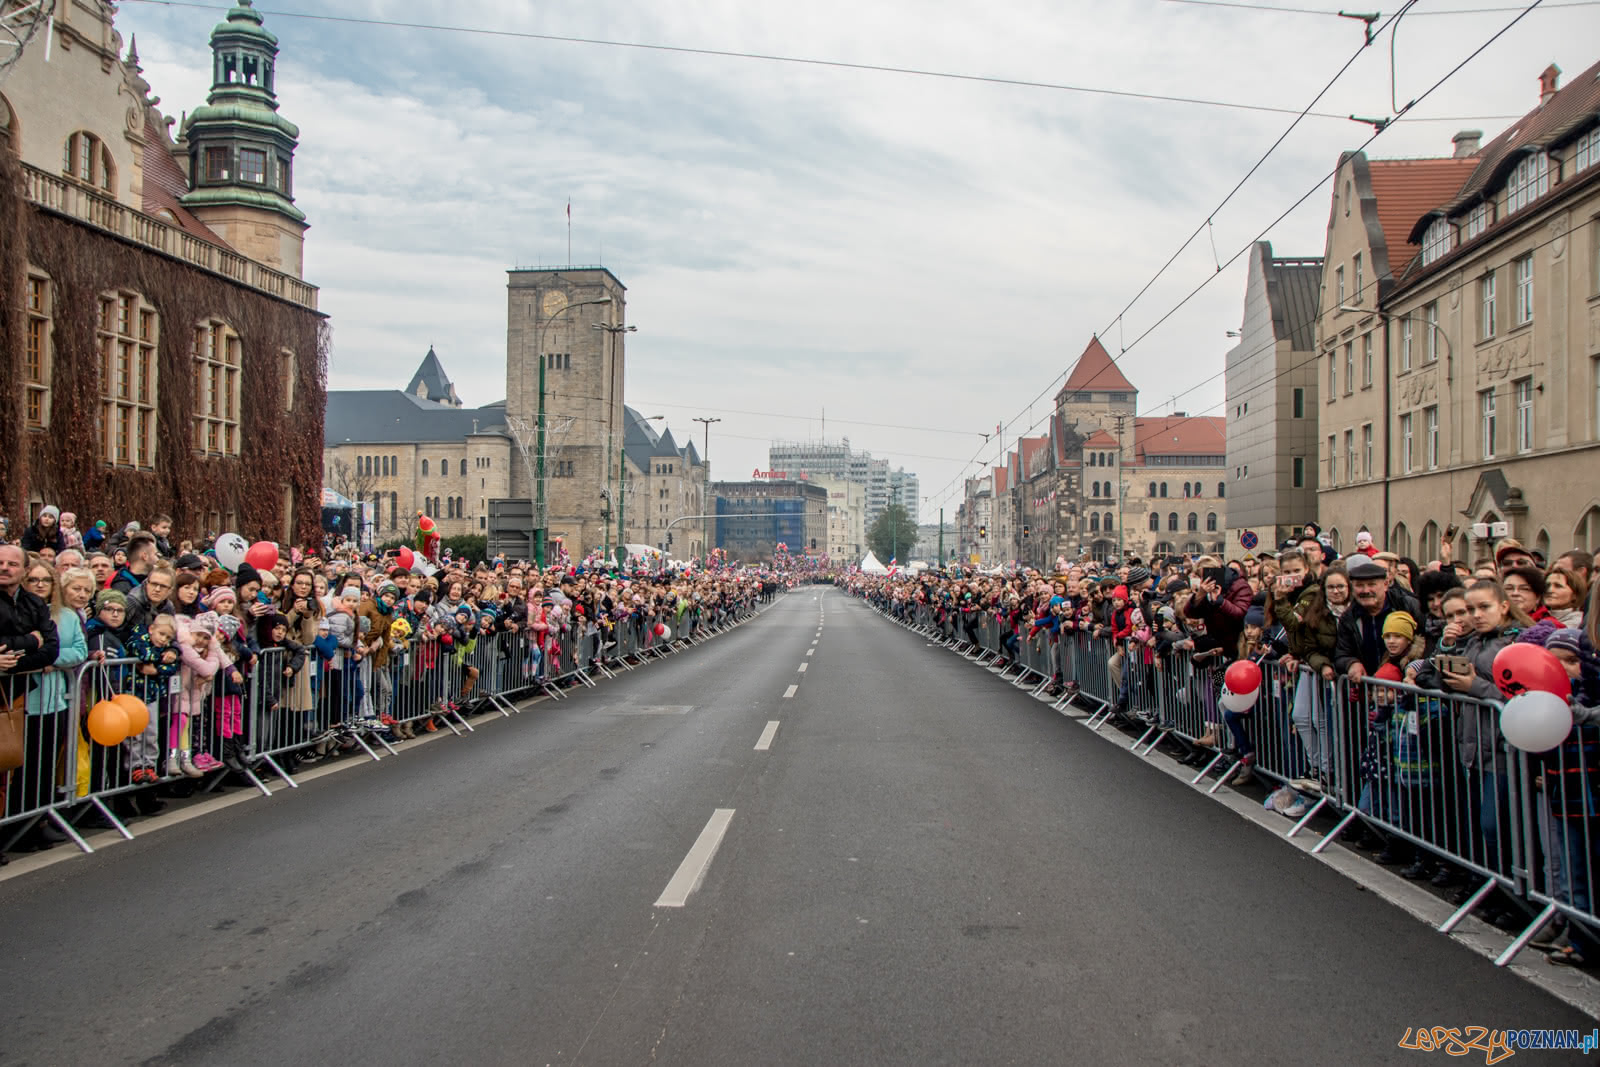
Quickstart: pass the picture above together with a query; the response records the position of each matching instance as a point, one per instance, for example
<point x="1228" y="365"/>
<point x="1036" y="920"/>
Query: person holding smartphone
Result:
<point x="1221" y="597"/>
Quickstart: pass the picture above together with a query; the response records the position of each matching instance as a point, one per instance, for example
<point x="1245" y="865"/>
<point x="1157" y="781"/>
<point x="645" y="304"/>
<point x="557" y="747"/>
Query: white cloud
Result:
<point x="895" y="249"/>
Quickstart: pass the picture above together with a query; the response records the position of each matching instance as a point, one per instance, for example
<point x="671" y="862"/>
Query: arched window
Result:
<point x="463" y="468"/>
<point x="1094" y="522"/>
<point x="87" y="159"/>
<point x="1211" y="522"/>
<point x="1429" y="545"/>
<point x="1152" y="488"/>
<point x="1172" y="522"/>
<point x="461" y="507"/>
<point x="394" y="511"/>
<point x="1163" y="490"/>
<point x="1220" y="487"/>
<point x="1541" y="544"/>
<point x="1333" y="539"/>
<point x="1400" y="540"/>
<point x="1194" y="523"/>
<point x="394" y="464"/>
<point x="424" y="468"/>
<point x="1186" y="490"/>
<point x="1107" y="524"/>
<point x="1094" y="459"/>
<point x="1094" y="489"/>
<point x="1155" y="522"/>
<point x="444" y="468"/>
<point x="1199" y="490"/>
<point x="1587" y="532"/>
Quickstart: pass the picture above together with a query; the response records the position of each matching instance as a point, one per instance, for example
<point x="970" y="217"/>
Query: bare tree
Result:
<point x="351" y="482"/>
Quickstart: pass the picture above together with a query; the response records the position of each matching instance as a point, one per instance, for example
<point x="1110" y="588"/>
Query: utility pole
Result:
<point x="541" y="531"/>
<point x="622" y="498"/>
<point x="941" y="538"/>
<point x="1122" y="422"/>
<point x="612" y="329"/>
<point x="707" y="457"/>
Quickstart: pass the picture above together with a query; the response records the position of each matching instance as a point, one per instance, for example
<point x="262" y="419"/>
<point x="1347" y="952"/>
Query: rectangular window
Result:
<point x="1350" y="468"/>
<point x="1405" y="443"/>
<point x="217" y="164"/>
<point x="1406" y="334"/>
<point x="1523" y="390"/>
<point x="217" y="362"/>
<point x="1333" y="460"/>
<point x="1431" y="317"/>
<point x="1356" y="272"/>
<point x="1299" y="403"/>
<point x="253" y="166"/>
<point x="1486" y="411"/>
<point x="1486" y="321"/>
<point x="1430" y="433"/>
<point x="1338" y="274"/>
<point x="1477" y="221"/>
<point x="127" y="337"/>
<point x="1529" y="181"/>
<point x="1366" y="360"/>
<point x="1299" y="472"/>
<point x="1586" y="152"/>
<point x="1525" y="289"/>
<point x="1333" y="375"/>
<point x="1349" y="367"/>
<point x="36" y="353"/>
<point x="1366" y="448"/>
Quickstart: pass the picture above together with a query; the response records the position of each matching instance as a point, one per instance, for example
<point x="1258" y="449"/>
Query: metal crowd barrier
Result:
<point x="1425" y="768"/>
<point x="256" y="716"/>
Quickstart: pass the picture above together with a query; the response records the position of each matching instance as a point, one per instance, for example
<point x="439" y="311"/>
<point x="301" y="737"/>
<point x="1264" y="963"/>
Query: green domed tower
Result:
<point x="241" y="151"/>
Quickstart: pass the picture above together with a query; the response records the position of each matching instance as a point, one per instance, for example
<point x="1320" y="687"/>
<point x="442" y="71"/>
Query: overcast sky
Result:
<point x="895" y="249"/>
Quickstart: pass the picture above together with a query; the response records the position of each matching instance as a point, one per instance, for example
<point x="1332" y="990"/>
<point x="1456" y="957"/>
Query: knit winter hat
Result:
<point x="1388" y="673"/>
<point x="215" y="598"/>
<point x="1255" y="616"/>
<point x="246" y="574"/>
<point x="205" y="622"/>
<point x="110" y="596"/>
<point x="1400" y="622"/>
<point x="51" y="511"/>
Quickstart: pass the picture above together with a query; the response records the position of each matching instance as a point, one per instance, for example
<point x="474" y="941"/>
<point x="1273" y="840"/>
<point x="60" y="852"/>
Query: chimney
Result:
<point x="1549" y="82"/>
<point x="1467" y="142"/>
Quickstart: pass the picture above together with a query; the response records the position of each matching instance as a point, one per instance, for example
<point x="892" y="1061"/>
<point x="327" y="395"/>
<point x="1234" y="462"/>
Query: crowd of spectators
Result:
<point x="311" y="638"/>
<point x="1391" y="627"/>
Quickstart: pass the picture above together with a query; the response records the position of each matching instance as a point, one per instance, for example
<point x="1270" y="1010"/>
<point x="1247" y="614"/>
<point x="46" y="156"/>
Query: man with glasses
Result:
<point x="149" y="600"/>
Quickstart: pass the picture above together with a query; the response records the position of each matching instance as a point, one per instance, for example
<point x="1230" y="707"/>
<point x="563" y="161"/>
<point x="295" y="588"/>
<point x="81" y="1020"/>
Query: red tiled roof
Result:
<point x="164" y="183"/>
<point x="1100" y="439"/>
<point x="1180" y="435"/>
<point x="1405" y="190"/>
<point x="1095" y="371"/>
<point x="1000" y="479"/>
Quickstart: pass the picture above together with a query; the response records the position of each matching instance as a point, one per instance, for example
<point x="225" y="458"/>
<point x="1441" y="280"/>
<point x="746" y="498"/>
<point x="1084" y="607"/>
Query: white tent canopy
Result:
<point x="870" y="565"/>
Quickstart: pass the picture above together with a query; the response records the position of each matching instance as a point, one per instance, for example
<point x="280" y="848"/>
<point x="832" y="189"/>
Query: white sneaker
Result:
<point x="174" y="768"/>
<point x="1306" y="785"/>
<point x="189" y="769"/>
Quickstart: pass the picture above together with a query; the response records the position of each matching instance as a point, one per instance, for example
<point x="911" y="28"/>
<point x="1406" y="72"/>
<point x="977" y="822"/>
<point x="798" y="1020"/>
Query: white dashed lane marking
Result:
<point x="765" y="743"/>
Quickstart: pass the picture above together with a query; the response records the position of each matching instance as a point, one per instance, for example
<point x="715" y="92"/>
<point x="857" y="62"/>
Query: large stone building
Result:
<point x="812" y="459"/>
<point x="1271" y="377"/>
<point x="396" y="452"/>
<point x="753" y="518"/>
<point x="1103" y="483"/>
<point x="664" y="501"/>
<point x="571" y="321"/>
<point x="847" y="518"/>
<point x="1474" y="279"/>
<point x="166" y="356"/>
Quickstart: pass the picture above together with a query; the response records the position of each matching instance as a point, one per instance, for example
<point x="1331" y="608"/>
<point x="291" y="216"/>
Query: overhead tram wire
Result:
<point x="1331" y="13"/>
<point x="1205" y="223"/>
<point x="837" y="64"/>
<point x="1523" y="13"/>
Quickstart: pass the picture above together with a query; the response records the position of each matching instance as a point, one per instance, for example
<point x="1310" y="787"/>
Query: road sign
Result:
<point x="1249" y="539"/>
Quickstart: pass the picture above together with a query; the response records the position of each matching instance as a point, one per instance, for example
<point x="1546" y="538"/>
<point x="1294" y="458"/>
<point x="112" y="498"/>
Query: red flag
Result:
<point x="569" y="210"/>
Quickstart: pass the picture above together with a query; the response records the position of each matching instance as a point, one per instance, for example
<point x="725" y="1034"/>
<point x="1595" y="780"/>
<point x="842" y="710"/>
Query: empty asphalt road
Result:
<point x="917" y="864"/>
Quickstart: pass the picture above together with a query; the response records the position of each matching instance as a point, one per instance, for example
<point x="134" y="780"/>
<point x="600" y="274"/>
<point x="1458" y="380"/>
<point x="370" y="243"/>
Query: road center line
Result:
<point x="692" y="871"/>
<point x="790" y="692"/>
<point x="803" y="667"/>
<point x="812" y="651"/>
<point x="767" y="735"/>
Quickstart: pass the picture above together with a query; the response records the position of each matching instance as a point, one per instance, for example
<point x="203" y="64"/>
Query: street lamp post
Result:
<point x="554" y="306"/>
<point x="613" y="329"/>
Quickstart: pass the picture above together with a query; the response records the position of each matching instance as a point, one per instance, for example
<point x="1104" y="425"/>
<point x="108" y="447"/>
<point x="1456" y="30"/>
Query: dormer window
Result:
<point x="217" y="168"/>
<point x="1586" y="153"/>
<point x="1528" y="182"/>
<point x="1436" y="241"/>
<point x="1477" y="221"/>
<point x="253" y="166"/>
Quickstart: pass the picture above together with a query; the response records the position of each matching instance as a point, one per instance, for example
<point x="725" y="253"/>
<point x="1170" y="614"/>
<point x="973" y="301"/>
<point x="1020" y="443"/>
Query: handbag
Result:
<point x="12" y="724"/>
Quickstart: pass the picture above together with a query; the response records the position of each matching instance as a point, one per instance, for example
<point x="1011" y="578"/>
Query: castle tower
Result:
<point x="241" y="151"/>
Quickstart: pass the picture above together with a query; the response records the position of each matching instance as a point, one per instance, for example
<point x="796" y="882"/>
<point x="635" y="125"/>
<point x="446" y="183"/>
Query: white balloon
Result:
<point x="230" y="549"/>
<point x="1536" y="721"/>
<point x="666" y="632"/>
<point x="1238" y="702"/>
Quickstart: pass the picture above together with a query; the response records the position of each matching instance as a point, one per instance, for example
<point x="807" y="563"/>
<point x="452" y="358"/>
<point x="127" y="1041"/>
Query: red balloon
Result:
<point x="1243" y="677"/>
<point x="263" y="555"/>
<point x="405" y="557"/>
<point x="1521" y="668"/>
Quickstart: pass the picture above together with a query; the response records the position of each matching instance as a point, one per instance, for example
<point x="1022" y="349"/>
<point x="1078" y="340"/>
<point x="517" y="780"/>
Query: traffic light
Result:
<point x="983" y="531"/>
<point x="1025" y="531"/>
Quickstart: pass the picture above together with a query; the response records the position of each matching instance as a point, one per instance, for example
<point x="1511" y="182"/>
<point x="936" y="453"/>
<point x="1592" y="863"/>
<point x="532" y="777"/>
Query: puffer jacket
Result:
<point x="197" y="676"/>
<point x="1477" y="724"/>
<point x="342" y="627"/>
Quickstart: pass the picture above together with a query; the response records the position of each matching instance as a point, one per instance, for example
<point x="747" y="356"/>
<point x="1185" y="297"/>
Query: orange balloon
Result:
<point x="108" y="723"/>
<point x="138" y="712"/>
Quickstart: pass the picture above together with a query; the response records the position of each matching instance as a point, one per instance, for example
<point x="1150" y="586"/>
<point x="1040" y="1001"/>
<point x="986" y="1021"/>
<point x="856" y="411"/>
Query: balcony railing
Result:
<point x="55" y="193"/>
